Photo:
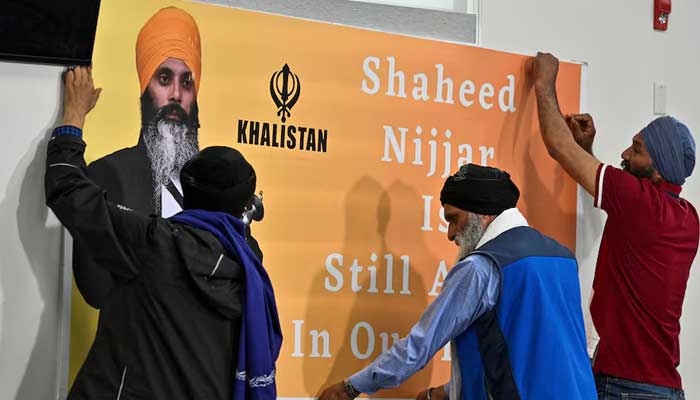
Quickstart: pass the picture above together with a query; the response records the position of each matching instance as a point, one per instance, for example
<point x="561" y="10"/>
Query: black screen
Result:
<point x="48" y="31"/>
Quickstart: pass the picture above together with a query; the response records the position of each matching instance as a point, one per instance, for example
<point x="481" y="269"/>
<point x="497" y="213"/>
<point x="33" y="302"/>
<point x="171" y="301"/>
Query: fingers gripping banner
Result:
<point x="352" y="133"/>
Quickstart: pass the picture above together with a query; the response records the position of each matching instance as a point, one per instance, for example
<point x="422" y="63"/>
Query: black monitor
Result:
<point x="48" y="31"/>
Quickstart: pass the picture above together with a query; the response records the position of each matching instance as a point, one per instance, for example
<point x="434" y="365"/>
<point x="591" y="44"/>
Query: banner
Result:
<point x="352" y="133"/>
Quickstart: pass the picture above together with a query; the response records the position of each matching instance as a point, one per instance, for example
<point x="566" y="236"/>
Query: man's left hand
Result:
<point x="543" y="70"/>
<point x="335" y="392"/>
<point x="437" y="393"/>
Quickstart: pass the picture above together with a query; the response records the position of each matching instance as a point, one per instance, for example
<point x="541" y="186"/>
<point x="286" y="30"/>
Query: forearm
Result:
<point x="555" y="132"/>
<point x="471" y="289"/>
<point x="574" y="159"/>
<point x="65" y="179"/>
<point x="392" y="368"/>
<point x="81" y="205"/>
<point x="93" y="282"/>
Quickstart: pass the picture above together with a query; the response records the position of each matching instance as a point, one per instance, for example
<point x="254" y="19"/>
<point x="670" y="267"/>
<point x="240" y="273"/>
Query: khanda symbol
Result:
<point x="284" y="89"/>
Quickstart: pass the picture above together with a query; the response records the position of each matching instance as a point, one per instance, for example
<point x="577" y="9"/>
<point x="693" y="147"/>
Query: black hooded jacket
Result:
<point x="127" y="179"/>
<point x="170" y="324"/>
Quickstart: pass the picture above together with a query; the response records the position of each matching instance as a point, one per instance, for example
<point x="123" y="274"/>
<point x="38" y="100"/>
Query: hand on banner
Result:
<point x="583" y="129"/>
<point x="335" y="392"/>
<point x="437" y="393"/>
<point x="79" y="96"/>
<point x="543" y="70"/>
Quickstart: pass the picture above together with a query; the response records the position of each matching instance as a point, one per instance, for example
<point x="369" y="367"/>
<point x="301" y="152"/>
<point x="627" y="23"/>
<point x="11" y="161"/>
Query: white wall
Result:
<point x="30" y="237"/>
<point x="626" y="56"/>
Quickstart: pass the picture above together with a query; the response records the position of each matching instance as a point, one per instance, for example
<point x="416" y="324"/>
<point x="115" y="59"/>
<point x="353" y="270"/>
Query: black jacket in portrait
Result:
<point x="127" y="178"/>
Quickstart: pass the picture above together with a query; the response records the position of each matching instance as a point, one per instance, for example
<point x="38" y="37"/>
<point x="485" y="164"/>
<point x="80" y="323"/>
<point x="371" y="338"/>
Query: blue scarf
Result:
<point x="261" y="335"/>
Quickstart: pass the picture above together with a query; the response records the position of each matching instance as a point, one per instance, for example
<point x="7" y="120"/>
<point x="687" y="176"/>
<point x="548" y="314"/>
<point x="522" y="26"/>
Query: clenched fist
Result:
<point x="543" y="70"/>
<point x="583" y="129"/>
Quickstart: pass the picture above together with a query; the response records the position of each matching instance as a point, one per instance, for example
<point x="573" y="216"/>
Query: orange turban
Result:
<point x="169" y="33"/>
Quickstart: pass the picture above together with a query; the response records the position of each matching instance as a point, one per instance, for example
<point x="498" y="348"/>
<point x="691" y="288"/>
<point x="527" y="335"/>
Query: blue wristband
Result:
<point x="67" y="130"/>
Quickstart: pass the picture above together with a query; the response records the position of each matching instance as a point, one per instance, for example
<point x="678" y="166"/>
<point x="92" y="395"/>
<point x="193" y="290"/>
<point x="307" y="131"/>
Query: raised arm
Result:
<point x="558" y="136"/>
<point x="103" y="227"/>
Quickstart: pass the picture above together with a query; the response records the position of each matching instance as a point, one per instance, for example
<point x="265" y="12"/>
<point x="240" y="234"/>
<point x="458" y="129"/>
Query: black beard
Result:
<point x="169" y="144"/>
<point x="149" y="111"/>
<point x="645" y="173"/>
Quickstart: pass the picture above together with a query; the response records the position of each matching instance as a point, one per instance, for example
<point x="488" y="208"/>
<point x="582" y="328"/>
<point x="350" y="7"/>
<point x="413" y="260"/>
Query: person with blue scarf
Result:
<point x="192" y="314"/>
<point x="648" y="245"/>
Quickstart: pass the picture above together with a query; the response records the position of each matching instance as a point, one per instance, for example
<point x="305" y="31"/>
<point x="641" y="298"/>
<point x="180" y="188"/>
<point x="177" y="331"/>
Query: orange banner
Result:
<point x="352" y="134"/>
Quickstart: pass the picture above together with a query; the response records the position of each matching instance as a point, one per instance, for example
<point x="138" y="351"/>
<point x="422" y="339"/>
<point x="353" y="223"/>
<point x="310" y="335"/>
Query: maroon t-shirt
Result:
<point x="649" y="242"/>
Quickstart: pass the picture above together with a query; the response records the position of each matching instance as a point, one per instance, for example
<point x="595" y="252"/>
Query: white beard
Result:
<point x="469" y="237"/>
<point x="169" y="146"/>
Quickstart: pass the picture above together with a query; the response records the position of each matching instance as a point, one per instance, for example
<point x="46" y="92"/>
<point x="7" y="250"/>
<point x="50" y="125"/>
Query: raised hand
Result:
<point x="79" y="96"/>
<point x="543" y="70"/>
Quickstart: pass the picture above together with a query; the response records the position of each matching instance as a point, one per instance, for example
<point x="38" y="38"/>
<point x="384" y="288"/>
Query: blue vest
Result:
<point x="532" y="344"/>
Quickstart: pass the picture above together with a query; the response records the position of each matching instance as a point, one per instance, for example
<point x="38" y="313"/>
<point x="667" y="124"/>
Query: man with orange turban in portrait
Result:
<point x="142" y="180"/>
<point x="146" y="178"/>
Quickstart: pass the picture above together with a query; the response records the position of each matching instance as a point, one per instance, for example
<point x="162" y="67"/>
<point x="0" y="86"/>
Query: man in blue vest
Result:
<point x="510" y="307"/>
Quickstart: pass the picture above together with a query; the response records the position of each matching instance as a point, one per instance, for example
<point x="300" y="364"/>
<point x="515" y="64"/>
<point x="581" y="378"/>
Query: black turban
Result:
<point x="480" y="190"/>
<point x="218" y="179"/>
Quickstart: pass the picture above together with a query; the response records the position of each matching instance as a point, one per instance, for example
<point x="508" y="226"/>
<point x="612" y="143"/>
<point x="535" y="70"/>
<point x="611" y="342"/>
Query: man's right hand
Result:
<point x="79" y="96"/>
<point x="583" y="130"/>
<point x="437" y="393"/>
<point x="334" y="392"/>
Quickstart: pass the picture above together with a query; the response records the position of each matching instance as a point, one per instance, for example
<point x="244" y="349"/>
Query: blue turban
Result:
<point x="672" y="148"/>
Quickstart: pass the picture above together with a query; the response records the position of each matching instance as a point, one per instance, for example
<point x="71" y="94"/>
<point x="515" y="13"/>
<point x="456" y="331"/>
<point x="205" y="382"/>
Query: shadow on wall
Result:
<point x="370" y="228"/>
<point x="41" y="243"/>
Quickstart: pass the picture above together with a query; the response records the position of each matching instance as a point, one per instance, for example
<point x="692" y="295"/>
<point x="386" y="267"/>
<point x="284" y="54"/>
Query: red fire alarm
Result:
<point x="662" y="9"/>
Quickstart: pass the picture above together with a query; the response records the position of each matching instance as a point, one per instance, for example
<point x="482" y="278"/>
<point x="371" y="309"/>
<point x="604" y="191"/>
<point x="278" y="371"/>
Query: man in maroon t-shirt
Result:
<point x="648" y="245"/>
